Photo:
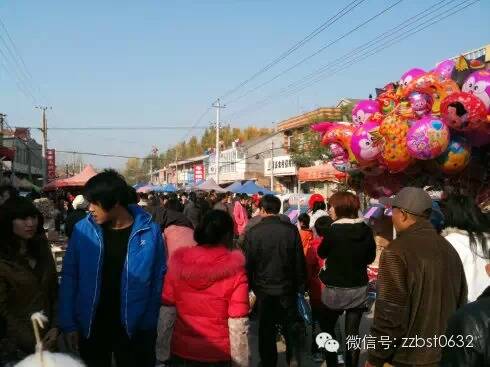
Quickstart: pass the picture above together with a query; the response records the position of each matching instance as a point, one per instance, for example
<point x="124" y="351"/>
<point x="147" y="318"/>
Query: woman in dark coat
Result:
<point x="28" y="279"/>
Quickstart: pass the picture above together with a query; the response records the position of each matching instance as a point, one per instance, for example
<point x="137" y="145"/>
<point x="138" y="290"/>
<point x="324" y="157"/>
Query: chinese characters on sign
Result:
<point x="198" y="172"/>
<point x="51" y="163"/>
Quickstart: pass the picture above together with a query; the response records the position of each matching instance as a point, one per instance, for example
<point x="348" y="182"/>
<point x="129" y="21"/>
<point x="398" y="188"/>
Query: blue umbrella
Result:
<point x="251" y="188"/>
<point x="235" y="186"/>
<point x="165" y="188"/>
<point x="138" y="185"/>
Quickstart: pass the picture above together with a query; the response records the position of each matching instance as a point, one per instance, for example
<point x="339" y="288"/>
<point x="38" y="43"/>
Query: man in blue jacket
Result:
<point x="112" y="279"/>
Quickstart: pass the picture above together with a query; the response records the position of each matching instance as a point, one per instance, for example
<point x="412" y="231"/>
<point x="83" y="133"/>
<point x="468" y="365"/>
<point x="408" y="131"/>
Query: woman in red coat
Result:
<point x="207" y="284"/>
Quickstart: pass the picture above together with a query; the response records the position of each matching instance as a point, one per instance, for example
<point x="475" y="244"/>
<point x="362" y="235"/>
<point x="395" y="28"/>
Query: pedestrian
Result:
<point x="184" y="199"/>
<point x="305" y="231"/>
<point x="421" y="283"/>
<point x="317" y="207"/>
<point x="80" y="206"/>
<point x="207" y="284"/>
<point x="314" y="285"/>
<point x="112" y="279"/>
<point x="469" y="329"/>
<point x="277" y="274"/>
<point x="468" y="230"/>
<point x="28" y="280"/>
<point x="191" y="209"/>
<point x="7" y="192"/>
<point x="348" y="247"/>
<point x="240" y="214"/>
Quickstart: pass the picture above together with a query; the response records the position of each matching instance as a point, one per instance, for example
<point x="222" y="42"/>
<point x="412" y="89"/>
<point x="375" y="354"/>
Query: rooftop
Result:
<point x="306" y="119"/>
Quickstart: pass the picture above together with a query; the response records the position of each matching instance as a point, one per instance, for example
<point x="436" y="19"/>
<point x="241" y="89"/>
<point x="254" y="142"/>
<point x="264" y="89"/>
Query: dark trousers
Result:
<point x="319" y="320"/>
<point x="352" y="322"/>
<point x="139" y="350"/>
<point x="282" y="311"/>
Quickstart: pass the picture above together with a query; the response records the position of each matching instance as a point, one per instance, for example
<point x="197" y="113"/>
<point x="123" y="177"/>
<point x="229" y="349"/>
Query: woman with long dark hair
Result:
<point x="28" y="279"/>
<point x="468" y="230"/>
<point x="348" y="247"/>
<point x="207" y="285"/>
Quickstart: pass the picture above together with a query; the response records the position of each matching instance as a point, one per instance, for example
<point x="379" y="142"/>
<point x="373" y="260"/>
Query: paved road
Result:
<point x="307" y="361"/>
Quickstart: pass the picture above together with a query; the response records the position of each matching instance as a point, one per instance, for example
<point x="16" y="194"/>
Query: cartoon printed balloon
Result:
<point x="410" y="75"/>
<point x="463" y="111"/>
<point x="395" y="155"/>
<point x="388" y="100"/>
<point x="444" y="69"/>
<point x="428" y="138"/>
<point x="478" y="84"/>
<point x="366" y="143"/>
<point x="364" y="110"/>
<point x="456" y="157"/>
<point x="341" y="134"/>
<point x="421" y="103"/>
<point x="432" y="85"/>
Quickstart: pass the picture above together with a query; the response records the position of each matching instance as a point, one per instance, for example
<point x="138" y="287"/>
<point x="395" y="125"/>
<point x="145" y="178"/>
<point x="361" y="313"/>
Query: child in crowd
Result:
<point x="305" y="232"/>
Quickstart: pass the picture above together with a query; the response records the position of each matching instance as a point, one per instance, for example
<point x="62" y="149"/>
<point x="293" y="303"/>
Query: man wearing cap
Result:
<point x="421" y="283"/>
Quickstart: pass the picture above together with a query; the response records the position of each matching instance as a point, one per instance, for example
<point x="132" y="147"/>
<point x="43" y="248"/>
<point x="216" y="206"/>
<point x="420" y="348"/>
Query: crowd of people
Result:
<point x="175" y="280"/>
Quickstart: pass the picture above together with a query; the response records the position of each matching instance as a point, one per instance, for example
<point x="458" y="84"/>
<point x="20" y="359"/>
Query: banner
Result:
<point x="51" y="163"/>
<point x="199" y="173"/>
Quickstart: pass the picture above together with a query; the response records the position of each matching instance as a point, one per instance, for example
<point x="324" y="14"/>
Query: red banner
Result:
<point x="51" y="163"/>
<point x="199" y="174"/>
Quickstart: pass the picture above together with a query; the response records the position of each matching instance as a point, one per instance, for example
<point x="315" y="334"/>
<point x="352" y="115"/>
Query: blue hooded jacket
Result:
<point x="141" y="283"/>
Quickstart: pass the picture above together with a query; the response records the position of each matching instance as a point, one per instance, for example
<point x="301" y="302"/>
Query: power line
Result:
<point x="332" y="20"/>
<point x="309" y="57"/>
<point x="102" y="155"/>
<point x="292" y="88"/>
<point x="124" y="128"/>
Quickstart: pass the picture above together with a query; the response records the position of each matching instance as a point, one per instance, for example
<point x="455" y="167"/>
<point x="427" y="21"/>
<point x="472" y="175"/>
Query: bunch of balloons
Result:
<point x="427" y="116"/>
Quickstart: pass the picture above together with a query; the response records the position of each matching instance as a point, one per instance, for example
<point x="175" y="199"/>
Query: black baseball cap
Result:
<point x="413" y="200"/>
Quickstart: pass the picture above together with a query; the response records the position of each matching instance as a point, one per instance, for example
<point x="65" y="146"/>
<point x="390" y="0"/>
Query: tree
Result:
<point x="347" y="111"/>
<point x="134" y="172"/>
<point x="306" y="148"/>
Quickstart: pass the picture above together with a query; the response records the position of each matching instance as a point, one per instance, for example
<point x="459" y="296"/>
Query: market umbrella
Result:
<point x="235" y="186"/>
<point x="138" y="185"/>
<point x="209" y="185"/>
<point x="165" y="188"/>
<point x="251" y="188"/>
<point x="146" y="189"/>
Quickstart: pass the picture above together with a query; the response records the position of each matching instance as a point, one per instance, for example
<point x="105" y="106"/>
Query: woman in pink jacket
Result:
<point x="208" y="288"/>
<point x="240" y="214"/>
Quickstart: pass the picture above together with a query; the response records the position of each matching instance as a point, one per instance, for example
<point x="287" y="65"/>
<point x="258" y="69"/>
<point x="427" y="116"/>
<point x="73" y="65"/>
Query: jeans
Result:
<point x="139" y="350"/>
<point x="352" y="322"/>
<point x="283" y="311"/>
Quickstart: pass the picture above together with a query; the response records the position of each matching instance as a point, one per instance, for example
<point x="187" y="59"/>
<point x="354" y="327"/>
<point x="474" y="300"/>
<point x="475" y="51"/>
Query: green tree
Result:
<point x="134" y="171"/>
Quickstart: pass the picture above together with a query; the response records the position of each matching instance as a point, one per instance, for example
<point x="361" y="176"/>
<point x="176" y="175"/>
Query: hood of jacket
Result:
<point x="352" y="229"/>
<point x="202" y="266"/>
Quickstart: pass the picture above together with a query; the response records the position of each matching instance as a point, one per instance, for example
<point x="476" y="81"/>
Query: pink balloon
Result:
<point x="366" y="143"/>
<point x="364" y="110"/>
<point x="428" y="138"/>
<point x="478" y="84"/>
<point x="444" y="69"/>
<point x="410" y="75"/>
<point x="421" y="103"/>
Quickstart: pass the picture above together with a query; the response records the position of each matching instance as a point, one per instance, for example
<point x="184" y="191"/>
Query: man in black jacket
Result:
<point x="277" y="272"/>
<point x="468" y="334"/>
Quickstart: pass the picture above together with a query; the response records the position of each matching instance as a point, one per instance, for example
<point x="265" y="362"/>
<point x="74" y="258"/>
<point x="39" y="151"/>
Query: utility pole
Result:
<point x="44" y="131"/>
<point x="272" y="165"/>
<point x="218" y="107"/>
<point x="2" y="121"/>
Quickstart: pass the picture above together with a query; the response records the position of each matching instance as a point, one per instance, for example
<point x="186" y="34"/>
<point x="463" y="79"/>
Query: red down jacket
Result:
<point x="207" y="285"/>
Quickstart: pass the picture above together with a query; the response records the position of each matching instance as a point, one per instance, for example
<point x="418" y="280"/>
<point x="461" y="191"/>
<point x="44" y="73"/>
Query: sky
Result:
<point x="164" y="62"/>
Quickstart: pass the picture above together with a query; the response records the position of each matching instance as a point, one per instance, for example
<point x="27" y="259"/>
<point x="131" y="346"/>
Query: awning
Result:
<point x="323" y="172"/>
<point x="79" y="180"/>
<point x="7" y="153"/>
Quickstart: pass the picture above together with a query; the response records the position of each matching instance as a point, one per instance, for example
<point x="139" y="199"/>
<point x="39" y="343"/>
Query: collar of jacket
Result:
<point x="142" y="220"/>
<point x="485" y="294"/>
<point x="349" y="221"/>
<point x="450" y="230"/>
<point x="272" y="218"/>
<point x="421" y="225"/>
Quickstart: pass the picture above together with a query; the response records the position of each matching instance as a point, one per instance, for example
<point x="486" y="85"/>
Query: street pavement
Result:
<point x="307" y="361"/>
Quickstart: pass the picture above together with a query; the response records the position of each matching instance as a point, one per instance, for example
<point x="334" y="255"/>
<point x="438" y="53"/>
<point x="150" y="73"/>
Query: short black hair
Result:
<point x="174" y="204"/>
<point x="107" y="189"/>
<point x="319" y="205"/>
<point x="304" y="220"/>
<point x="184" y="194"/>
<point x="271" y="204"/>
<point x="215" y="228"/>
<point x="132" y="195"/>
<point x="10" y="189"/>
<point x="261" y="193"/>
